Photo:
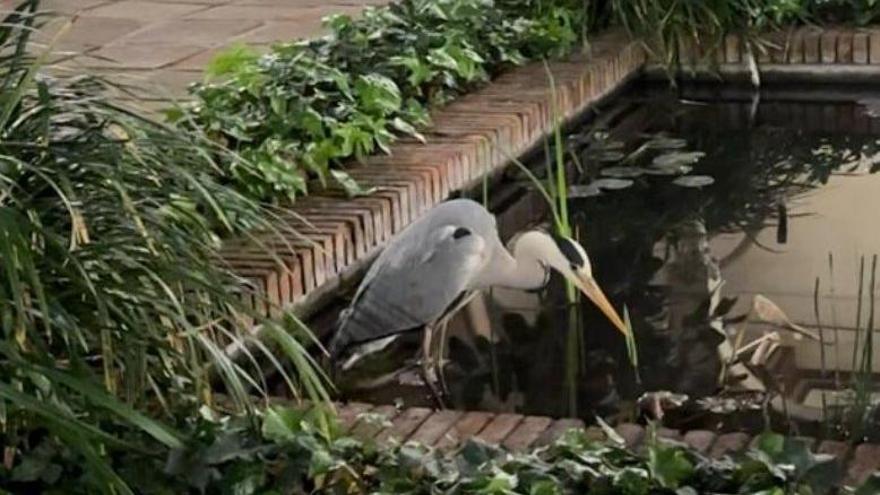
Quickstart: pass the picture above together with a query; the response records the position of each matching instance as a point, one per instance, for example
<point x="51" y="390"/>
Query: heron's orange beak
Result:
<point x="591" y="289"/>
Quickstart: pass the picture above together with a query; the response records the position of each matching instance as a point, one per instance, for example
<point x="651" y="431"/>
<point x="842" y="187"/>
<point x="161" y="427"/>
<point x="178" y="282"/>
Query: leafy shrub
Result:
<point x="306" y="106"/>
<point x="112" y="300"/>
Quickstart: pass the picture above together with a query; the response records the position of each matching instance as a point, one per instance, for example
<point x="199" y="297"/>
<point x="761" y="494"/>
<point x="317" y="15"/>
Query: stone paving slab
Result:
<point x="163" y="45"/>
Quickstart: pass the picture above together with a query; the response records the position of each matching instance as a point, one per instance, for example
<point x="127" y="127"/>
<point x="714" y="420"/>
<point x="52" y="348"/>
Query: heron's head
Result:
<point x="569" y="258"/>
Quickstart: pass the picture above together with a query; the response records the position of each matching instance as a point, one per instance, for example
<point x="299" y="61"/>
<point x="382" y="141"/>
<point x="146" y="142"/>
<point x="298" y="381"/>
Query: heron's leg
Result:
<point x="428" y="373"/>
<point x="440" y="362"/>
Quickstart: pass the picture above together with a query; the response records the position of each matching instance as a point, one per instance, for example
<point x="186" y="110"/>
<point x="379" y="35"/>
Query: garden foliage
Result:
<point x="113" y="303"/>
<point x="289" y="455"/>
<point x="307" y="106"/>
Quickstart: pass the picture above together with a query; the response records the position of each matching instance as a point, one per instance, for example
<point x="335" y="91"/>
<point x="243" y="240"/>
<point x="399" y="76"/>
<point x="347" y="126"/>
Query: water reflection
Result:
<point x="685" y="261"/>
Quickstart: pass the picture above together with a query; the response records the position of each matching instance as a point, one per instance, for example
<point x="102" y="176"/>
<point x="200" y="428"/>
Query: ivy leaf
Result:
<point x="311" y="121"/>
<point x="632" y="481"/>
<point x="377" y="93"/>
<point x="351" y="187"/>
<point x="231" y="60"/>
<point x="354" y="140"/>
<point x="419" y="71"/>
<point x="407" y="128"/>
<point x="871" y="486"/>
<point x="545" y="487"/>
<point x="442" y="58"/>
<point x="281" y="424"/>
<point x="669" y="465"/>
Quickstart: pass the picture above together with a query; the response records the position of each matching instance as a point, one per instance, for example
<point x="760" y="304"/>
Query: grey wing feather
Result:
<point x="419" y="275"/>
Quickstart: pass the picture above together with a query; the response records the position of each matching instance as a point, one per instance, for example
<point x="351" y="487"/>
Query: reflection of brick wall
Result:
<point x="811" y="118"/>
<point x="325" y="236"/>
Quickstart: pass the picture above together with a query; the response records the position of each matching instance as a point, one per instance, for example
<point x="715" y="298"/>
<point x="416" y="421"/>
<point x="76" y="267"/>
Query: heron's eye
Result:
<point x="574" y="267"/>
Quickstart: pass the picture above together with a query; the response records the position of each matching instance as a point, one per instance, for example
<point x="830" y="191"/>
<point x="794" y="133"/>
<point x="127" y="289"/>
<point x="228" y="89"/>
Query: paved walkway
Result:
<point x="166" y="43"/>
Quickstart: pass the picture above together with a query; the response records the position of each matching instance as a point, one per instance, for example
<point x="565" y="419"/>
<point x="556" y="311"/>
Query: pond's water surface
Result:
<point x="780" y="198"/>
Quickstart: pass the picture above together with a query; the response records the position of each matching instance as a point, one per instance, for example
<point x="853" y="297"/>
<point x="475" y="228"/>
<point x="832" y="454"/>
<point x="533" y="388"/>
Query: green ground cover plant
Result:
<point x="299" y="111"/>
<point x="288" y="454"/>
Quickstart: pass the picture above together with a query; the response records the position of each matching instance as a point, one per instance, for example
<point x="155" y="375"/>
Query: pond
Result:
<point x="693" y="205"/>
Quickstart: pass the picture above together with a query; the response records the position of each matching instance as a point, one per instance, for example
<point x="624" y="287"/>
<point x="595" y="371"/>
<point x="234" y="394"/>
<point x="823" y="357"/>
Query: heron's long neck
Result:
<point x="518" y="271"/>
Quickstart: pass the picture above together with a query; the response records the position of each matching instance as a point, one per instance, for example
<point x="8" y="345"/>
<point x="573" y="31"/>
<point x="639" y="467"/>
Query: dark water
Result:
<point x="792" y="198"/>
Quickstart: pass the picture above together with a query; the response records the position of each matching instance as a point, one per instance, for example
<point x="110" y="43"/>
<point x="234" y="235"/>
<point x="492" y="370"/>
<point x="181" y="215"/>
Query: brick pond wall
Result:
<point x="474" y="135"/>
<point x="447" y="428"/>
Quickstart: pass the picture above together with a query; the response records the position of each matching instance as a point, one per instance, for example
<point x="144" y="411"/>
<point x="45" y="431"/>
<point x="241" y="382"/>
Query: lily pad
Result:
<point x="584" y="191"/>
<point x="622" y="172"/>
<point x="678" y="158"/>
<point x="612" y="184"/>
<point x="670" y="170"/>
<point x="665" y="143"/>
<point x="694" y="181"/>
<point x="606" y="156"/>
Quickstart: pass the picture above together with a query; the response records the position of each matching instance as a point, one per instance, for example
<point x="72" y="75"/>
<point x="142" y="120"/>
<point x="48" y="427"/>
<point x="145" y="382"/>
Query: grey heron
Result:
<point x="429" y="270"/>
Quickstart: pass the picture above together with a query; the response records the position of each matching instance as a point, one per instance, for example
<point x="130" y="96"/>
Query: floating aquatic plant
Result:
<point x="694" y="181"/>
<point x="677" y="158"/>
<point x="623" y="172"/>
<point x="612" y="184"/>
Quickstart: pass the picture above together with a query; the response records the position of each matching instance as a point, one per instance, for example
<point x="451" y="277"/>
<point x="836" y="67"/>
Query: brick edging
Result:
<point x="449" y="428"/>
<point x="474" y="135"/>
<point x="830" y="53"/>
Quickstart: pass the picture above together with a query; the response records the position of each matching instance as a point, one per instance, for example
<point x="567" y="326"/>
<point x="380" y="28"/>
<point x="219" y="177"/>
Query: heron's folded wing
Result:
<point x="414" y="283"/>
